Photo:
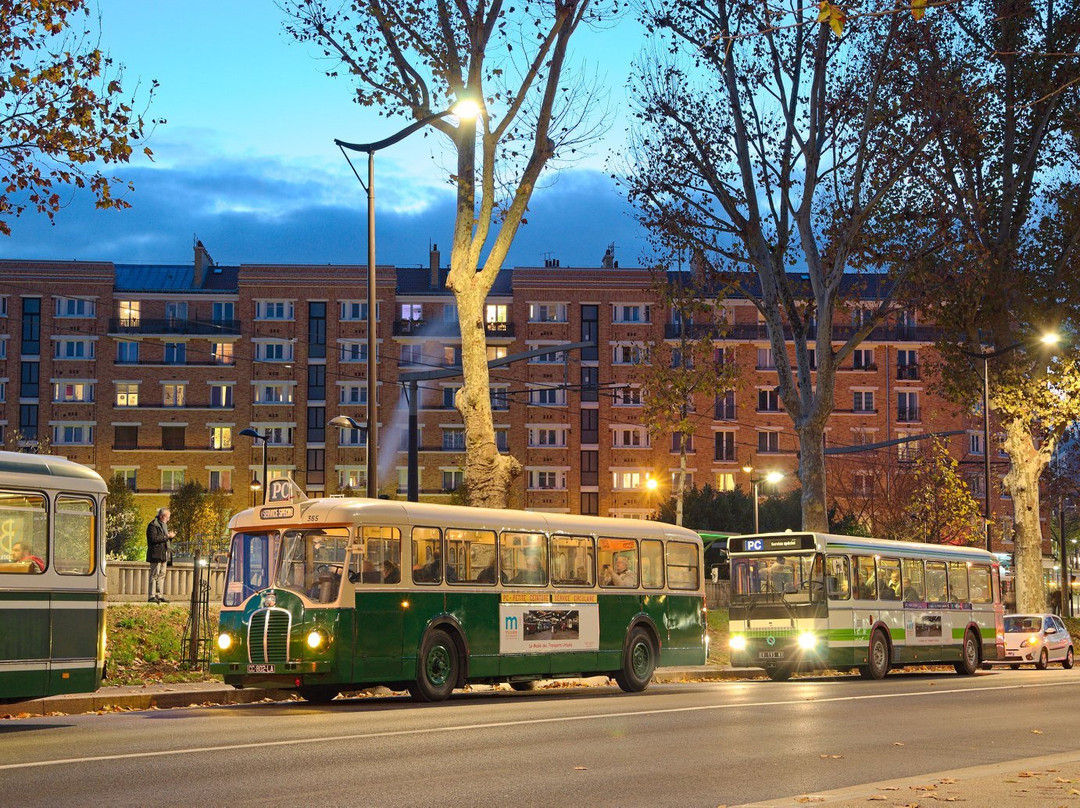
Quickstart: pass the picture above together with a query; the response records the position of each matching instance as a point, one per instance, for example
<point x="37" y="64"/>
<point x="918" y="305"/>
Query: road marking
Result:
<point x="520" y="723"/>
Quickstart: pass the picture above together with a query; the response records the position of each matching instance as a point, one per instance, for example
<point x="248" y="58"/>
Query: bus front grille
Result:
<point x="268" y="635"/>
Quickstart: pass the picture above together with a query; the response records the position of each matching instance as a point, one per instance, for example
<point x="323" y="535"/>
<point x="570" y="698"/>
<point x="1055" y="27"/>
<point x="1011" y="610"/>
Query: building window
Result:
<point x="768" y="401"/>
<point x="725" y="406"/>
<point x="626" y="480"/>
<point x="413" y="312"/>
<point x="547" y="437"/>
<point x="221" y="353"/>
<point x="220" y="438"/>
<point x="31" y="326"/>
<point x="127" y="394"/>
<point x="172" y="479"/>
<point x="449" y="312"/>
<point x="633" y="313"/>
<point x="547" y="312"/>
<point x="174" y="395"/>
<point x="221" y="479"/>
<point x="627" y="354"/>
<point x="862" y="401"/>
<point x="273" y="310"/>
<point x="590" y="503"/>
<point x="3" y="306"/>
<point x="223" y="312"/>
<point x="448" y="394"/>
<point x="70" y="392"/>
<point x="126" y="437"/>
<point x="627" y="397"/>
<point x="862" y="484"/>
<point x="127" y="353"/>
<point x="73" y="349"/>
<point x="28" y="379"/>
<point x="316" y="382"/>
<point x="28" y="422"/>
<point x="590" y="328"/>
<point x="452" y="479"/>
<point x="3" y="396"/>
<point x="908" y="451"/>
<point x="278" y="435"/>
<point x="724" y="481"/>
<point x="317" y="330"/>
<point x="276" y="351"/>
<point x="352" y="437"/>
<point x="453" y="439"/>
<point x="547" y="396"/>
<point x="907" y="365"/>
<point x="3" y="346"/>
<point x="553" y="358"/>
<point x="273" y="394"/>
<point x="768" y="442"/>
<point x="502" y="440"/>
<point x="129" y="312"/>
<point x="975" y="443"/>
<point x="351" y="478"/>
<point x="547" y="480"/>
<point x="724" y="446"/>
<point x="765" y="360"/>
<point x="176" y="311"/>
<point x="175" y="353"/>
<point x="863" y="359"/>
<point x="173" y="438"/>
<point x="355" y="351"/>
<point x="590" y="467"/>
<point x="221" y="396"/>
<point x="129" y="476"/>
<point x="316" y="466"/>
<point x="590" y="427"/>
<point x="590" y="384"/>
<point x="630" y="438"/>
<point x="74" y="307"/>
<point x="353" y="394"/>
<point x="677" y="441"/>
<point x="316" y="424"/>
<point x="907" y="406"/>
<point x="496" y="313"/>
<point x="73" y="434"/>
<point x="356" y="310"/>
<point x="499" y="399"/>
<point x="411" y="354"/>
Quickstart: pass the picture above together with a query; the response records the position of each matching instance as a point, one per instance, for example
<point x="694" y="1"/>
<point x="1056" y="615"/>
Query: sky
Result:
<point x="246" y="161"/>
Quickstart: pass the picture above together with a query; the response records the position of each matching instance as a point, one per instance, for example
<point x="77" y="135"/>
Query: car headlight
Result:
<point x="224" y="641"/>
<point x="1032" y="640"/>
<point x="738" y="642"/>
<point x="807" y="640"/>
<point x="314" y="639"/>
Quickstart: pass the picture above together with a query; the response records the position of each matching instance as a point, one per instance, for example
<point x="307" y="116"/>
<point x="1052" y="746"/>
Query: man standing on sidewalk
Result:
<point x="157" y="553"/>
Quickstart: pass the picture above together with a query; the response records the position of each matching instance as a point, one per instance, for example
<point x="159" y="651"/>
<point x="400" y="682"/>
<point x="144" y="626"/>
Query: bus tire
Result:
<point x="525" y="687"/>
<point x="639" y="662"/>
<point x="969" y="655"/>
<point x="436" y="667"/>
<point x="878" y="658"/>
<point x="1044" y="660"/>
<point x="319" y="694"/>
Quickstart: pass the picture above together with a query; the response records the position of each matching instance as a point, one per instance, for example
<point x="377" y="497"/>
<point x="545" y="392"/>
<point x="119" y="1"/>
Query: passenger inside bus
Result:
<point x="390" y="573"/>
<point x="532" y="574"/>
<point x="21" y="555"/>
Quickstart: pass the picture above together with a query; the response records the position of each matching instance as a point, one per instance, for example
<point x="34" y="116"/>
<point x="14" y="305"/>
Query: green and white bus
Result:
<point x="52" y="577"/>
<point x="329" y="595"/>
<point x="810" y="601"/>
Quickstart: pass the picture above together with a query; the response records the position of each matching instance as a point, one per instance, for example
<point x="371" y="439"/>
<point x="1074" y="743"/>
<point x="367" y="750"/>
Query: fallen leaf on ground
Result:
<point x="581" y="768"/>
<point x="1029" y="774"/>
<point x="831" y="757"/>
<point x="1062" y="780"/>
<point x="1036" y="732"/>
<point x="930" y="787"/>
<point x="890" y="788"/>
<point x="877" y="797"/>
<point x="947" y="781"/>
<point x="810" y="798"/>
<point x="897" y="743"/>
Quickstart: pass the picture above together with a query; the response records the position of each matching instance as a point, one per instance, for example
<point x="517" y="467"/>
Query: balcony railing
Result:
<point x="173" y="325"/>
<point x="758" y="331"/>
<point x="907" y="414"/>
<point x="446" y="328"/>
<point x="907" y="372"/>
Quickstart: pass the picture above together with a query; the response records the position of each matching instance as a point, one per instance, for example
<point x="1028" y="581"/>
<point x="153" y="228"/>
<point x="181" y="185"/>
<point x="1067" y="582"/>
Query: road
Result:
<point x="697" y="744"/>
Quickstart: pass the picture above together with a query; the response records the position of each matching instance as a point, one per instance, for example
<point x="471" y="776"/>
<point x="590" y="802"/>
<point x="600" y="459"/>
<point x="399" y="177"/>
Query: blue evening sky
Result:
<point x="247" y="162"/>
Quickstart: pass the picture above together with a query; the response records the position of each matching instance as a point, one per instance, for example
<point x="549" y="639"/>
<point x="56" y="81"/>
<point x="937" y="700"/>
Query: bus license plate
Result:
<point x="260" y="669"/>
<point x="768" y="655"/>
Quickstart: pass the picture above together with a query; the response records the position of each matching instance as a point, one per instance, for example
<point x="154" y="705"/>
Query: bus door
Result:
<point x="379" y="611"/>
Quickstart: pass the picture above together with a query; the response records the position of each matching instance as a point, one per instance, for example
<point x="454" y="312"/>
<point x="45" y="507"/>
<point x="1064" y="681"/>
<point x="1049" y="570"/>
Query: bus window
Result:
<point x="571" y="561"/>
<point x="426" y="555"/>
<point x="979" y="578"/>
<point x="937" y="590"/>
<point x="890" y="587"/>
<point x="73" y="536"/>
<point x="250" y="566"/>
<point x="618" y="562"/>
<point x="378" y="559"/>
<point x="652" y="565"/>
<point x="865" y="578"/>
<point x="837" y="578"/>
<point x="522" y="559"/>
<point x="958" y="582"/>
<point x="313" y="561"/>
<point x="914" y="585"/>
<point x="470" y="556"/>
<point x="24" y="532"/>
<point x="682" y="565"/>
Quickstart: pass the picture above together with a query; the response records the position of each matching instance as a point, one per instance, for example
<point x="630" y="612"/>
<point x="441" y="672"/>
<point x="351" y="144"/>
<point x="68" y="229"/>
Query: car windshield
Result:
<point x="1022" y="624"/>
<point x="787" y="576"/>
<point x="312" y="562"/>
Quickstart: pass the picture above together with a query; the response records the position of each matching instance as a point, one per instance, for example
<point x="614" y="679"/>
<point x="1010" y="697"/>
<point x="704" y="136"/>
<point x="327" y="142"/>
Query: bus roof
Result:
<point x="36" y="469"/>
<point x="351" y="510"/>
<point x="825" y="542"/>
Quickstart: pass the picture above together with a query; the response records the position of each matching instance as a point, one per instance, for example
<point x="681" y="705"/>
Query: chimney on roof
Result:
<point x="608" y="261"/>
<point x="202" y="262"/>
<point x="433" y="265"/>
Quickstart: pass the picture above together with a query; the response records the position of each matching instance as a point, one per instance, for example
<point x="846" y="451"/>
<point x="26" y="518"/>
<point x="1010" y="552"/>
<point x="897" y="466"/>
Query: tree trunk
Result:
<point x="682" y="480"/>
<point x="488" y="474"/>
<point x="1022" y="483"/>
<point x="815" y="517"/>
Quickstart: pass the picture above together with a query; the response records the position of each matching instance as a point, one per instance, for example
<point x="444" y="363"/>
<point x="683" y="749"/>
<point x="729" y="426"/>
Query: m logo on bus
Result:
<point x="511" y="623"/>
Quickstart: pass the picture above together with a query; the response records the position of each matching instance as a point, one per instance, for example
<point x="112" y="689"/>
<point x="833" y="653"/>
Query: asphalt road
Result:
<point x="704" y="744"/>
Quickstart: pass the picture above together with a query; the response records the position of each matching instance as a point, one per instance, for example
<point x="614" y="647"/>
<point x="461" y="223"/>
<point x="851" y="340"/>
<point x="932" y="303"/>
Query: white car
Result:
<point x="1036" y="639"/>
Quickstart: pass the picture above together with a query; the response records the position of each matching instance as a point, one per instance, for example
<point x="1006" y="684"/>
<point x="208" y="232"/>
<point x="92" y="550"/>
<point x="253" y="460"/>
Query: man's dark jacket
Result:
<point x="157" y="542"/>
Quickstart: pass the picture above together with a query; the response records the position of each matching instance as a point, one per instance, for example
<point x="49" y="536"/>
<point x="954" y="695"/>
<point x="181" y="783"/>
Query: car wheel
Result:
<point x="1044" y="660"/>
<point x="1067" y="662"/>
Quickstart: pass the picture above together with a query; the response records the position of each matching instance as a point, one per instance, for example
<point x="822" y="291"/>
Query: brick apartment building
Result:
<point x="151" y="372"/>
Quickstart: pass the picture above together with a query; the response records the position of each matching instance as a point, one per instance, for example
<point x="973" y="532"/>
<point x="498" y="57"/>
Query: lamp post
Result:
<point x="772" y="477"/>
<point x="251" y="433"/>
<point x="348" y="422"/>
<point x="1046" y="339"/>
<point x="463" y="109"/>
<point x="255" y="487"/>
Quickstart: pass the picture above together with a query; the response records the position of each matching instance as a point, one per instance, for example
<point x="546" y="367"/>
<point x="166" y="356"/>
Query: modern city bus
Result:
<point x="339" y="594"/>
<point x="810" y="601"/>
<point x="52" y="577"/>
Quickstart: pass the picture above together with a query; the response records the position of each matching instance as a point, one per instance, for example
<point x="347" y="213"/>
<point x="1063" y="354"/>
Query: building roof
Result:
<point x="174" y="278"/>
<point x="417" y="281"/>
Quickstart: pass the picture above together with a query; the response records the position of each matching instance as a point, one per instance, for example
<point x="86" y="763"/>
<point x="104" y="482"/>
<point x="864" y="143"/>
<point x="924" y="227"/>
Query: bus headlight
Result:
<point x="807" y="640"/>
<point x="314" y="639"/>
<point x="224" y="641"/>
<point x="737" y="643"/>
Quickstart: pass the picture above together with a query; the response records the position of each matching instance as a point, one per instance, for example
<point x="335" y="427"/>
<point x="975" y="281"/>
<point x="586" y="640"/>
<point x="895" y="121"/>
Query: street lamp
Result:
<point x="1050" y="338"/>
<point x="255" y="487"/>
<point x="251" y="433"/>
<point x="465" y="110"/>
<point x="348" y="422"/>
<point x="772" y="477"/>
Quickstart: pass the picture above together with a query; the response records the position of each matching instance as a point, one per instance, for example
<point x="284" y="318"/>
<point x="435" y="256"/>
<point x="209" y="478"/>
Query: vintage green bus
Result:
<point x="809" y="601"/>
<point x="52" y="577"/>
<point x="329" y="595"/>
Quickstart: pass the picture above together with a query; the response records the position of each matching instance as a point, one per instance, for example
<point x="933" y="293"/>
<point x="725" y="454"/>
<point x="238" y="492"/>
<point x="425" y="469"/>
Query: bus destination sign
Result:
<point x="770" y="544"/>
<point x="276" y="513"/>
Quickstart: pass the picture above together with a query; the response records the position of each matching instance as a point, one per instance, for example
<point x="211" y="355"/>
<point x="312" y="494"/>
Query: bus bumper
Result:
<point x="758" y="654"/>
<point x="233" y="669"/>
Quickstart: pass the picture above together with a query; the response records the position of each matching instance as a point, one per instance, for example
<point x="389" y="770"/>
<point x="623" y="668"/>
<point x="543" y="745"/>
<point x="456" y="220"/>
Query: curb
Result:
<point x="706" y="673"/>
<point x="104" y="701"/>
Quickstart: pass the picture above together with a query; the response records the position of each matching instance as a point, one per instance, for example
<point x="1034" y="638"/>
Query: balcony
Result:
<point x="907" y="373"/>
<point x="154" y="326"/>
<point x="446" y="328"/>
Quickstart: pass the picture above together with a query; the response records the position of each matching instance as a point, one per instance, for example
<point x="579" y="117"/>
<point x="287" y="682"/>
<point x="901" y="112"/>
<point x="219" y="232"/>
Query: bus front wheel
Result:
<point x="639" y="662"/>
<point x="969" y="656"/>
<point x="781" y="673"/>
<point x="878" y="664"/>
<point x="319" y="694"/>
<point x="436" y="669"/>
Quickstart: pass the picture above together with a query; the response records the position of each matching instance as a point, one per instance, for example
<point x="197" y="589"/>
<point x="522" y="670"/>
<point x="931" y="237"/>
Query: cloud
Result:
<point x="276" y="212"/>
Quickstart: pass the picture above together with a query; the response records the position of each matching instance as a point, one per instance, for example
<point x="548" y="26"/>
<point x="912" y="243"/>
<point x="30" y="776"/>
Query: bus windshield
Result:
<point x="312" y="562"/>
<point x="796" y="578"/>
<point x="251" y="566"/>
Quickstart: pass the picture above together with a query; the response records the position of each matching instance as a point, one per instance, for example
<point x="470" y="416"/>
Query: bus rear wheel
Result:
<point x="969" y="655"/>
<point x="436" y="669"/>
<point x="526" y="686"/>
<point x="639" y="662"/>
<point x="878" y="664"/>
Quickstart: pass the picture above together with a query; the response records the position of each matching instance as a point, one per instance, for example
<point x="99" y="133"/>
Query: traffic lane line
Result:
<point x="362" y="736"/>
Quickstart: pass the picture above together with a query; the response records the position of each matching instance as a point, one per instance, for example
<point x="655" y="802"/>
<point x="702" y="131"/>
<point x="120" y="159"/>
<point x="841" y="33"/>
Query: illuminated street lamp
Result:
<point x="256" y="486"/>
<point x="465" y="110"/>
<point x="348" y="422"/>
<point x="772" y="477"/>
